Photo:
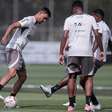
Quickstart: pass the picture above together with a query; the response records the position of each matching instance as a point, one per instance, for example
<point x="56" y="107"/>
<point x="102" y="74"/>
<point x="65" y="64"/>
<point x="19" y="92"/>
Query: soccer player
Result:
<point x="15" y="46"/>
<point x="77" y="30"/>
<point x="106" y="36"/>
<point x="106" y="33"/>
<point x="51" y="90"/>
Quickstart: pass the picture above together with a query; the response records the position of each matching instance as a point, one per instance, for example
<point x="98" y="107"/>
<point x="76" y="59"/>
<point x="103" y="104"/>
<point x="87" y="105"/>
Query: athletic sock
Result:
<point x="55" y="88"/>
<point x="88" y="100"/>
<point x="94" y="100"/>
<point x="1" y="86"/>
<point x="72" y="100"/>
<point x="12" y="94"/>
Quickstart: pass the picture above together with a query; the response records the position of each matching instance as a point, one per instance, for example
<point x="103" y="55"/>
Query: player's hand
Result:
<point x="3" y="41"/>
<point x="101" y="56"/>
<point x="61" y="59"/>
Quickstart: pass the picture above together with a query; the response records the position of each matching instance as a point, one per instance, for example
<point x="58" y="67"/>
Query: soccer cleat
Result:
<point x="70" y="109"/>
<point x="89" y="108"/>
<point x="97" y="107"/>
<point x="67" y="104"/>
<point x="46" y="90"/>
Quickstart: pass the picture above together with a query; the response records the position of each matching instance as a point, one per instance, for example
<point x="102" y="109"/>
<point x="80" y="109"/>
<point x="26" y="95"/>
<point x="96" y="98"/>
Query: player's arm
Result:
<point x="109" y="34"/>
<point x="62" y="46"/>
<point x="95" y="44"/>
<point x="110" y="40"/>
<point x="98" y="37"/>
<point x="8" y="31"/>
<point x="99" y="43"/>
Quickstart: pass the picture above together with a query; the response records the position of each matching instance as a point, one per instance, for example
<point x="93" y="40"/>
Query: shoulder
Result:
<point x="104" y="25"/>
<point x="29" y="18"/>
<point x="69" y="18"/>
<point x="88" y="16"/>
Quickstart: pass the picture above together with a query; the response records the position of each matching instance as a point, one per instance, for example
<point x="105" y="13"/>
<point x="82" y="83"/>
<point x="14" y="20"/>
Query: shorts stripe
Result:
<point x="91" y="73"/>
<point x="16" y="61"/>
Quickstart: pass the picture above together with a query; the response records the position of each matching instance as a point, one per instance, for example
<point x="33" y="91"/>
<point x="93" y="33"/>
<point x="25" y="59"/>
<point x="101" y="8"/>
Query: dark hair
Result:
<point x="46" y="10"/>
<point x="99" y="12"/>
<point x="78" y="3"/>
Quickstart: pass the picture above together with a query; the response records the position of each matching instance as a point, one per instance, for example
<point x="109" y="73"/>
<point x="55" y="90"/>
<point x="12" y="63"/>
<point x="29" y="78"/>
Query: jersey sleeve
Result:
<point x="25" y="22"/>
<point x="66" y="25"/>
<point x="100" y="30"/>
<point x="109" y="34"/>
<point x="94" y="24"/>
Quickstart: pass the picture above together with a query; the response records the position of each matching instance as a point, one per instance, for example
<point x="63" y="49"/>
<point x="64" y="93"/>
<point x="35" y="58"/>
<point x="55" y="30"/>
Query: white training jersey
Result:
<point x="80" y="28"/>
<point x="20" y="36"/>
<point x="106" y="35"/>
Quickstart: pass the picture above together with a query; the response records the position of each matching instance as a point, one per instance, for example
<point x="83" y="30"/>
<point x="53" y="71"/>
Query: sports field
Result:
<point x="30" y="99"/>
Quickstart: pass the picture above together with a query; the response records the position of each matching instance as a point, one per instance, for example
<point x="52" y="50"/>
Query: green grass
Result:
<point x="51" y="74"/>
<point x="36" y="102"/>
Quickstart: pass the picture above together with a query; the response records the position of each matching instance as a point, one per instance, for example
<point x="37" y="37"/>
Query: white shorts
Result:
<point x="15" y="59"/>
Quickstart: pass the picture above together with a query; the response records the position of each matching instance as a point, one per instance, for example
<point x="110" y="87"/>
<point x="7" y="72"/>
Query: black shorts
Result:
<point x="79" y="65"/>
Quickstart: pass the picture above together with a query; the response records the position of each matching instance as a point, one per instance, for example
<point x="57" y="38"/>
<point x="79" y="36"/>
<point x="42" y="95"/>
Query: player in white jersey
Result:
<point x="15" y="46"/>
<point x="77" y="31"/>
<point x="106" y="35"/>
<point x="51" y="90"/>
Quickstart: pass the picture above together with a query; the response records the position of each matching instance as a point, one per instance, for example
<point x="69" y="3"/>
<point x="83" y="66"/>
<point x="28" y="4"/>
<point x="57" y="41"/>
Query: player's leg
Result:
<point x="93" y="97"/>
<point x="12" y="59"/>
<point x="71" y="92"/>
<point x="73" y="70"/>
<point x="22" y="76"/>
<point x="48" y="91"/>
<point x="62" y="82"/>
<point x="72" y="89"/>
<point x="9" y="75"/>
<point x="95" y="102"/>
<point x="88" y="89"/>
<point x="87" y="85"/>
<point x="87" y="66"/>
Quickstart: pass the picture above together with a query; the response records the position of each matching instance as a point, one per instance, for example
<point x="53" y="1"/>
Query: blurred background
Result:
<point x="47" y="35"/>
<point x="13" y="10"/>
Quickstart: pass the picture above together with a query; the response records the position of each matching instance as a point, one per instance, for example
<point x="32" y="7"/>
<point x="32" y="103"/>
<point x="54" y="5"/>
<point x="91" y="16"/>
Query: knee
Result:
<point x="72" y="76"/>
<point x="83" y="80"/>
<point x="23" y="77"/>
<point x="12" y="73"/>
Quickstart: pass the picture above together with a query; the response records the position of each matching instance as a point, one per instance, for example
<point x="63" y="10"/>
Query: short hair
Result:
<point x="46" y="10"/>
<point x="78" y="3"/>
<point x="99" y="12"/>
